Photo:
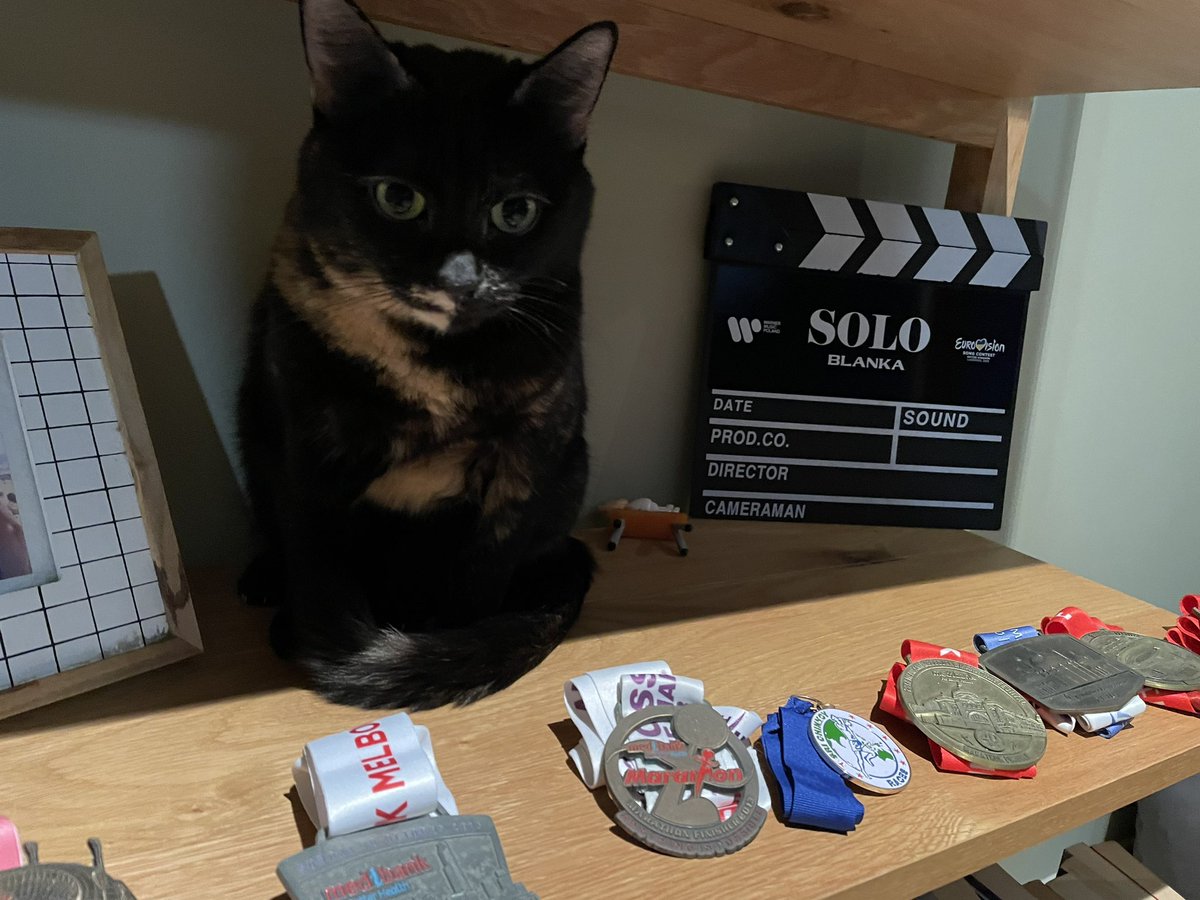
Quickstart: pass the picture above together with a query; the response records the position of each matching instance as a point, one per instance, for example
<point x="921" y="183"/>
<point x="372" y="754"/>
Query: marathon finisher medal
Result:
<point x="1165" y="667"/>
<point x="430" y="857"/>
<point x="859" y="750"/>
<point x="662" y="805"/>
<point x="1063" y="674"/>
<point x="974" y="715"/>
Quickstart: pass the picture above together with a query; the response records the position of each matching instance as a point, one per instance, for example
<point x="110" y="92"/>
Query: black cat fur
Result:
<point x="411" y="416"/>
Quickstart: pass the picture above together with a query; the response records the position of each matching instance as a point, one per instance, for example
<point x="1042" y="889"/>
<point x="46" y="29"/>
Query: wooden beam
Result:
<point x="1018" y="48"/>
<point x="679" y="49"/>
<point x="985" y="179"/>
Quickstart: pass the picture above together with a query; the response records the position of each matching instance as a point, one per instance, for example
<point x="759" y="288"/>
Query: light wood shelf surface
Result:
<point x="185" y="772"/>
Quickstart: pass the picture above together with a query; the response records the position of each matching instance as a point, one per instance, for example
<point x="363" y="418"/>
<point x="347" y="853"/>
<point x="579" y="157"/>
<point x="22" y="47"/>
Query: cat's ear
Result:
<point x="566" y="83"/>
<point x="351" y="64"/>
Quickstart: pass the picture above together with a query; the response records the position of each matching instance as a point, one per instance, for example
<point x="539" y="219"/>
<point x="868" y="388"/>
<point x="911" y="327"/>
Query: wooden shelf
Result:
<point x="945" y="69"/>
<point x="185" y="772"/>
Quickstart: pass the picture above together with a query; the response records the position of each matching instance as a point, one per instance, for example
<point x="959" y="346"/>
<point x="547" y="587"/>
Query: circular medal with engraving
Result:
<point x="974" y="715"/>
<point x="663" y="766"/>
<point x="860" y="750"/>
<point x="1164" y="666"/>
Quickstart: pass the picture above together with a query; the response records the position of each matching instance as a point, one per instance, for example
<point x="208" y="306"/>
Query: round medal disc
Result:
<point x="860" y="750"/>
<point x="972" y="713"/>
<point x="1165" y="667"/>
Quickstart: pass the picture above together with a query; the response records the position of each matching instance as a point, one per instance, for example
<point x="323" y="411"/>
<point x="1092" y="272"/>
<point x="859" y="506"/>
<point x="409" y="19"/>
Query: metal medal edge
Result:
<point x="969" y="756"/>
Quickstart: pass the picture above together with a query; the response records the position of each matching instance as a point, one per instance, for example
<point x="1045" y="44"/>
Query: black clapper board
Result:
<point x="861" y="360"/>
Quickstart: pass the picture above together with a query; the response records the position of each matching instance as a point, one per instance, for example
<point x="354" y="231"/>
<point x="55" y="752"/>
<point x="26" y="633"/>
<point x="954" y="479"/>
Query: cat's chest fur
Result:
<point x="442" y="440"/>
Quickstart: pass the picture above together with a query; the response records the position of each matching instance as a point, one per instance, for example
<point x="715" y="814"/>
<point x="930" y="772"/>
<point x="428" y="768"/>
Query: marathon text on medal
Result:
<point x="376" y="877"/>
<point x="380" y="768"/>
<point x="683" y="776"/>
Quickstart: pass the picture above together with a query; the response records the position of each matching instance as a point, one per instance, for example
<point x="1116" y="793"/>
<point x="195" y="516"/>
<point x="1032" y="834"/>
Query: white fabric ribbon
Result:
<point x="591" y="701"/>
<point x="373" y="774"/>
<point x="1091" y="722"/>
<point x="596" y="700"/>
<point x="1095" y="721"/>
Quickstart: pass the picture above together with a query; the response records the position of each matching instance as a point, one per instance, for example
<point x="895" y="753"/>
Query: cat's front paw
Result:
<point x="261" y="584"/>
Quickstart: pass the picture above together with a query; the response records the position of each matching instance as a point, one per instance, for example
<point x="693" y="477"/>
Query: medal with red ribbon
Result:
<point x="890" y="701"/>
<point x="1186" y="634"/>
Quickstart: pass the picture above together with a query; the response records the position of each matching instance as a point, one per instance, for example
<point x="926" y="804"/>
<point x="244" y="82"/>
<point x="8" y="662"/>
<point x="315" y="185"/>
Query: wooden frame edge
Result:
<point x="184" y="638"/>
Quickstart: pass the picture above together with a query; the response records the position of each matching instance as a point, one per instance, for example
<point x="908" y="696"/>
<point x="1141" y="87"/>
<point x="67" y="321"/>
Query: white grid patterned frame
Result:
<point x="121" y="605"/>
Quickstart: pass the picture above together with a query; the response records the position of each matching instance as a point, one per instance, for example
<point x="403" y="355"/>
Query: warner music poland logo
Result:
<point x="743" y="330"/>
<point x="978" y="349"/>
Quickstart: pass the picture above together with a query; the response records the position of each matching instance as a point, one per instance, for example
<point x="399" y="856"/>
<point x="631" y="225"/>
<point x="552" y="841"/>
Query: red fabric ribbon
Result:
<point x="1074" y="621"/>
<point x="1186" y="632"/>
<point x="890" y="703"/>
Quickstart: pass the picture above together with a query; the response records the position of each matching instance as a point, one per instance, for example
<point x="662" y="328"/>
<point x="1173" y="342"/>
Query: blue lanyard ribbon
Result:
<point x="990" y="640"/>
<point x="812" y="792"/>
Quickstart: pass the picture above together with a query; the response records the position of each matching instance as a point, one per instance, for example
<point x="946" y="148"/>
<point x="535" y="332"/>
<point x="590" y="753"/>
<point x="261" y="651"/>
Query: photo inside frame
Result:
<point x="26" y="559"/>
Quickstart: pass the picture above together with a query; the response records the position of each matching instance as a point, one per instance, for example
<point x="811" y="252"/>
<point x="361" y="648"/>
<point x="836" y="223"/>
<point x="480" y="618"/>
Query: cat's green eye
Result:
<point x="516" y="215"/>
<point x="398" y="200"/>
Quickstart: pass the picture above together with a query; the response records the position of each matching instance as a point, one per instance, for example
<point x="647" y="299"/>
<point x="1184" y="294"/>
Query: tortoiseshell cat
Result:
<point x="412" y="412"/>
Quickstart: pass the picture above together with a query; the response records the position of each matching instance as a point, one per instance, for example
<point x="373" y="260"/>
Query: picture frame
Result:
<point x="120" y="603"/>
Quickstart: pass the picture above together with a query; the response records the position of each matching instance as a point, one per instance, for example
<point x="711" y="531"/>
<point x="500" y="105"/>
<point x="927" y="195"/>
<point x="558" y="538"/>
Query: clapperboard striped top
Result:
<point x="765" y="226"/>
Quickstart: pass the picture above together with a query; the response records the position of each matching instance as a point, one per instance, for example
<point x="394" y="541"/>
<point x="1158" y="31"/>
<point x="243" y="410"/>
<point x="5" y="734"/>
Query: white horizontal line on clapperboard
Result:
<point x="866" y="501"/>
<point x="854" y="429"/>
<point x="764" y="395"/>
<point x="849" y="464"/>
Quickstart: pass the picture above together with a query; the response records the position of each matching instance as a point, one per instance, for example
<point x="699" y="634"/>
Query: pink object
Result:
<point x="10" y="846"/>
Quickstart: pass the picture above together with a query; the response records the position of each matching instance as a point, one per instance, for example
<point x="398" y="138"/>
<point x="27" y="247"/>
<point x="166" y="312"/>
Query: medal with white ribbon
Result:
<point x="383" y="773"/>
<point x="597" y="700"/>
<point x="373" y="774"/>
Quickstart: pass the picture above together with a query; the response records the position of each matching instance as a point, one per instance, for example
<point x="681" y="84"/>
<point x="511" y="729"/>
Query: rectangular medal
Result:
<point x="431" y="857"/>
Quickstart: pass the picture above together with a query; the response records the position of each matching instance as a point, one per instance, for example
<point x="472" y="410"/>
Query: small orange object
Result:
<point x="656" y="523"/>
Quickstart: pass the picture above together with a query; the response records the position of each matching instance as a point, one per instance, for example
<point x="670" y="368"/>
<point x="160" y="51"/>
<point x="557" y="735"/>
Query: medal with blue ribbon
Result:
<point x="812" y="751"/>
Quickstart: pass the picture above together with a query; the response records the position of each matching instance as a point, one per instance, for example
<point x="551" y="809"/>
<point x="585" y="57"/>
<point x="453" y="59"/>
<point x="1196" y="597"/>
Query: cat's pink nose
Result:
<point x="459" y="271"/>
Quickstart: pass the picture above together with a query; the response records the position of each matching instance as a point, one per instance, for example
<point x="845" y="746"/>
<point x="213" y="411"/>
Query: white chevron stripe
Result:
<point x="949" y="228"/>
<point x="835" y="214"/>
<point x="889" y="258"/>
<point x="1000" y="269"/>
<point x="893" y="221"/>
<point x="1003" y="234"/>
<point x="831" y="252"/>
<point x="945" y="263"/>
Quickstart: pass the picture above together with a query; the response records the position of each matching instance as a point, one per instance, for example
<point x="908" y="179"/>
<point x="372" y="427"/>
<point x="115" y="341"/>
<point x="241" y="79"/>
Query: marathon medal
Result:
<point x="1064" y="675"/>
<point x="859" y="750"/>
<point x="433" y="856"/>
<point x="974" y="715"/>
<point x="663" y="804"/>
<point x="1165" y="667"/>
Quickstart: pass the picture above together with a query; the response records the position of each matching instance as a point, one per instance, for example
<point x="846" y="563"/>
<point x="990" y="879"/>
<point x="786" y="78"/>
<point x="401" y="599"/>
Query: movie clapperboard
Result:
<point x="861" y="361"/>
